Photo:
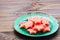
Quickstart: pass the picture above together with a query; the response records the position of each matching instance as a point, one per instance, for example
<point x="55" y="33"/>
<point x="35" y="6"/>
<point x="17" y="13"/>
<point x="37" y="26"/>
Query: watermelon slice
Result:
<point x="31" y="31"/>
<point x="38" y="27"/>
<point x="27" y="25"/>
<point x="22" y="25"/>
<point x="35" y="19"/>
<point x="45" y="21"/>
<point x="46" y="28"/>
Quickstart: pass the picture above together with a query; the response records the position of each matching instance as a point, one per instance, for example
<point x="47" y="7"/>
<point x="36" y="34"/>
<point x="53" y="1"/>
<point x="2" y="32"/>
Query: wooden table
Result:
<point x="11" y="9"/>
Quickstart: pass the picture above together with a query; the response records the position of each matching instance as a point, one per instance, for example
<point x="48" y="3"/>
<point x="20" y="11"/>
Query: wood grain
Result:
<point x="11" y="9"/>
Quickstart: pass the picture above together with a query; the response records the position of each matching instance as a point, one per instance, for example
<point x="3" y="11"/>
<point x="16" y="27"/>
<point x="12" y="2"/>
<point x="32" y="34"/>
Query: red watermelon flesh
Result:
<point x="38" y="27"/>
<point x="35" y="19"/>
<point x="22" y="25"/>
<point x="31" y="31"/>
<point x="45" y="21"/>
<point x="28" y="24"/>
<point x="46" y="29"/>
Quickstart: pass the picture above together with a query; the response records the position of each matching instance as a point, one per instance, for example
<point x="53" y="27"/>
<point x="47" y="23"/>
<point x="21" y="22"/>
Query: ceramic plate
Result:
<point x="53" y="24"/>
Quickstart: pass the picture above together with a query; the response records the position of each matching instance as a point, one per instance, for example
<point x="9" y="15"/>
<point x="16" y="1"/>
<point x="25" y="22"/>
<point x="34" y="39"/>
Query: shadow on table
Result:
<point x="50" y="37"/>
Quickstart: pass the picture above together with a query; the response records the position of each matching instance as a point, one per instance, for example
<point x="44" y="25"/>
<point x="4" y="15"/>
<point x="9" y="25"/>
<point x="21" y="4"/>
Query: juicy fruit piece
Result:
<point x="27" y="25"/>
<point x="22" y="25"/>
<point x="46" y="29"/>
<point x="35" y="19"/>
<point x="38" y="27"/>
<point x="31" y="31"/>
<point x="45" y="21"/>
